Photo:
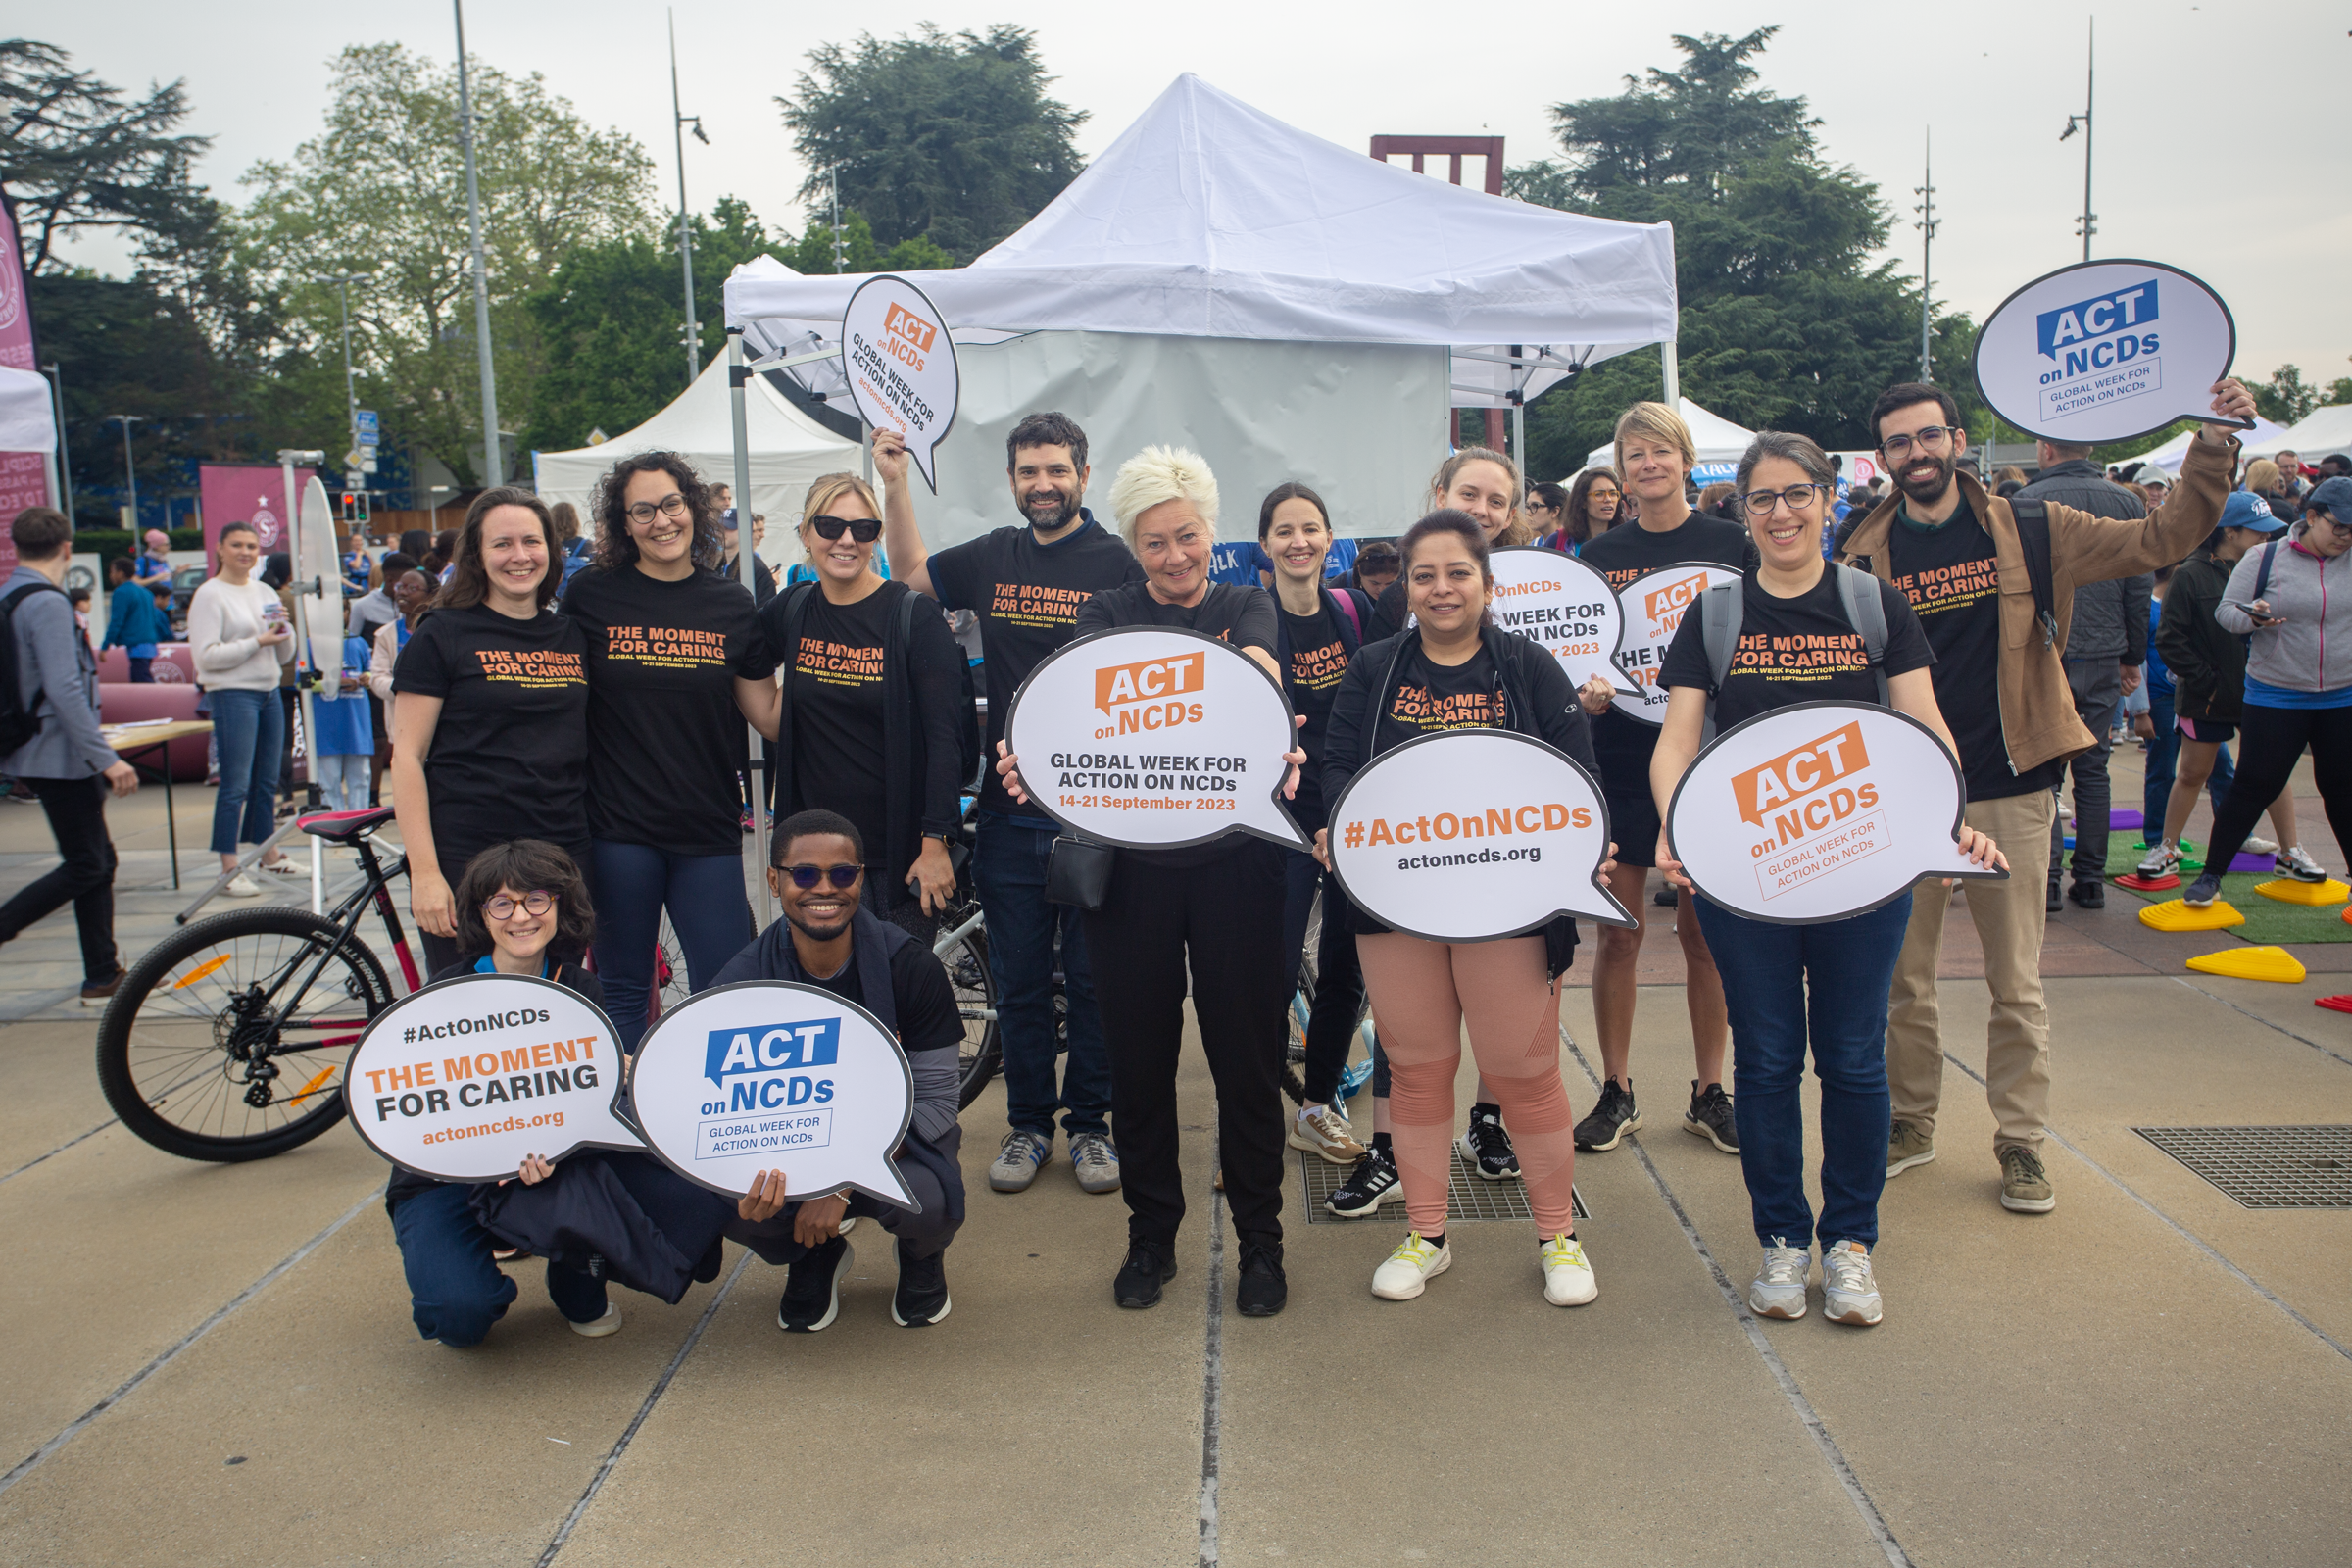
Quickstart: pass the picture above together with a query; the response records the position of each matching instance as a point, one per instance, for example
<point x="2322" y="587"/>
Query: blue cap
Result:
<point x="2248" y="511"/>
<point x="726" y="519"/>
<point x="2333" y="493"/>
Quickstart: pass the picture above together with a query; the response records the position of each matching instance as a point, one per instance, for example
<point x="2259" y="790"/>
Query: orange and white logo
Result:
<point x="1151" y="680"/>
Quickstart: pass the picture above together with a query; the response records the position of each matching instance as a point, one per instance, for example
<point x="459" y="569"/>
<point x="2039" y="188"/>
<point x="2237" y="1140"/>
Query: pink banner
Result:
<point x="23" y="481"/>
<point x="253" y="493"/>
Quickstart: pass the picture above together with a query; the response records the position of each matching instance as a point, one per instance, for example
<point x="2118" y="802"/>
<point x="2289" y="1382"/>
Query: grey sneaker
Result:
<point x="1778" y="1290"/>
<point x="2295" y="862"/>
<point x="1096" y="1163"/>
<point x="2203" y="891"/>
<point x="1710" y="1117"/>
<point x="2024" y="1184"/>
<point x="1849" y="1291"/>
<point x="1908" y="1144"/>
<point x="1017" y="1161"/>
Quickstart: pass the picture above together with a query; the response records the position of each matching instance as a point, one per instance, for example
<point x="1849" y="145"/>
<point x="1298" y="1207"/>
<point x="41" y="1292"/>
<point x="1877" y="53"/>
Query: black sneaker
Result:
<point x="1488" y="1147"/>
<point x="2202" y="891"/>
<point x="1710" y="1117"/>
<point x="922" y="1299"/>
<point x="1372" y="1183"/>
<point x="1147" y="1269"/>
<point x="1263" y="1286"/>
<point x="2057" y="900"/>
<point x="813" y="1288"/>
<point x="1611" y="1119"/>
<point x="1666" y="896"/>
<point x="2088" y="893"/>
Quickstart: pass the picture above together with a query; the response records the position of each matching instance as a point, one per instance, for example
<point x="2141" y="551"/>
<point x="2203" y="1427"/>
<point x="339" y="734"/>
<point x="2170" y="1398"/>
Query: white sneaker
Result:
<point x="240" y="886"/>
<point x="1849" y="1293"/>
<point x="2293" y="861"/>
<point x="1319" y="1132"/>
<point x="1778" y="1290"/>
<point x="2163" y="861"/>
<point x="2254" y="845"/>
<point x="597" y="1328"/>
<point x="287" y="865"/>
<point x="1410" y="1268"/>
<point x="1567" y="1277"/>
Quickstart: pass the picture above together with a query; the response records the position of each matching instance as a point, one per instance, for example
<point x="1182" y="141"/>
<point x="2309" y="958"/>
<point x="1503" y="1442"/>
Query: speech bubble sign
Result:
<point x="774" y="1075"/>
<point x="1152" y="737"/>
<point x="900" y="366"/>
<point x="461" y="1079"/>
<point x="2105" y="351"/>
<point x="1562" y="605"/>
<point x="1819" y="811"/>
<point x="319" y="568"/>
<point x="1473" y="834"/>
<point x="1652" y="606"/>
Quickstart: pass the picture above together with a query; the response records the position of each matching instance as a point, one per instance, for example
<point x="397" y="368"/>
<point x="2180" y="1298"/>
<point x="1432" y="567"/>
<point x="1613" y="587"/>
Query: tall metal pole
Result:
<point x="496" y="468"/>
<point x="351" y="396"/>
<point x="678" y="118"/>
<point x="65" y="451"/>
<point x="739" y="376"/>
<point x="130" y="471"/>
<point x="2081" y="123"/>
<point x="1926" y="254"/>
<point x="1674" y="377"/>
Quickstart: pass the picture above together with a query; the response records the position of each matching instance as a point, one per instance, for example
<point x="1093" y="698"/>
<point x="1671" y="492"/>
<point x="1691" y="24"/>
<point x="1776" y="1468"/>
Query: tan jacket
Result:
<point x="2037" y="706"/>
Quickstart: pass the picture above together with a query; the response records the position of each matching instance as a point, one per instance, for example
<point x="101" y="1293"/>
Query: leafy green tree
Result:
<point x="1785" y="321"/>
<point x="949" y="137"/>
<point x="381" y="190"/>
<point x="2284" y="398"/>
<point x="813" y="252"/>
<point x="77" y="154"/>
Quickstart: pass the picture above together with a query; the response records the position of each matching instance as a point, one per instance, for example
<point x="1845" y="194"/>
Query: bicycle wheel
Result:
<point x="228" y="1041"/>
<point x="982" y="1051"/>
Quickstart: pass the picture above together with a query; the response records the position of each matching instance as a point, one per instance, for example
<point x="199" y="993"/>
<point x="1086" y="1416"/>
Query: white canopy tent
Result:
<point x="28" y="424"/>
<point x="1288" y="306"/>
<point x="1720" y="443"/>
<point x="2323" y="430"/>
<point x="785" y="447"/>
<point x="2260" y="442"/>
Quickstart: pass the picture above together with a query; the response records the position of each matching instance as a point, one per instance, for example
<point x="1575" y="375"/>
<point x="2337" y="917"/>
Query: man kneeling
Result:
<point x="828" y="940"/>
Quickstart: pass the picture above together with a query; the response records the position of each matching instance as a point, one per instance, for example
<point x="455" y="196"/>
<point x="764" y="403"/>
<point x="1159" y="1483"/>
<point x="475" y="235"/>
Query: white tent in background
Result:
<point x="1289" y="307"/>
<point x="1720" y="443"/>
<point x="787" y="451"/>
<point x="2260" y="442"/>
<point x="2325" y="429"/>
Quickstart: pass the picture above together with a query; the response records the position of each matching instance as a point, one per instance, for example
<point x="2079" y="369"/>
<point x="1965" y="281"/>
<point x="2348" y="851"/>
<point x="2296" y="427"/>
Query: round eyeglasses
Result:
<point x="502" y="907"/>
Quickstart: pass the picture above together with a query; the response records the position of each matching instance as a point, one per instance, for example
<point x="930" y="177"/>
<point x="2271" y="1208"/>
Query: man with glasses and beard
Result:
<point x="2000" y="680"/>
<point x="1025" y="584"/>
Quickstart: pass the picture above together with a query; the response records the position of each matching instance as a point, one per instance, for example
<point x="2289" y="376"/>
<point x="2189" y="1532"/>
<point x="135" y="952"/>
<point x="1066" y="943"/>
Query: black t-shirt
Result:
<point x="1625" y="552"/>
<point x="665" y="740"/>
<point x="510" y="754"/>
<point x="1312" y="677"/>
<point x="1800" y="649"/>
<point x="1951" y="578"/>
<point x="837" y="720"/>
<point x="928" y="1018"/>
<point x="1027" y="596"/>
<point x="1431" y="697"/>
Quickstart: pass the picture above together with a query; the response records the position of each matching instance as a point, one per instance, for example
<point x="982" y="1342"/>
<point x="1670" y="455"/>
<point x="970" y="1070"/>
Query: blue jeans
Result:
<point x="632" y="883"/>
<point x="1782" y="984"/>
<point x="250" y="730"/>
<point x="1009" y="867"/>
<point x="455" y="1290"/>
<point x="2164" y="759"/>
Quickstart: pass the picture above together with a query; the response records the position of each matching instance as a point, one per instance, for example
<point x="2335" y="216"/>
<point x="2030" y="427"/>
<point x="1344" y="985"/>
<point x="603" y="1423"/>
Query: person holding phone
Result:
<point x="240" y="641"/>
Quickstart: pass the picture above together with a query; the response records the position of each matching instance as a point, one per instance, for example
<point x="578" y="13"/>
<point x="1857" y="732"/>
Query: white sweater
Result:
<point x="224" y="631"/>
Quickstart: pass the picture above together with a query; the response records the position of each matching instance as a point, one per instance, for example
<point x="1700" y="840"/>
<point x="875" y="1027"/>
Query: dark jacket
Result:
<point x="2208" y="664"/>
<point x="2111" y="617"/>
<point x="1539" y="700"/>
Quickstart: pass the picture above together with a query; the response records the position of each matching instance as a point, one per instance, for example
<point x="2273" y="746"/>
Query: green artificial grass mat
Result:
<point x="2269" y="922"/>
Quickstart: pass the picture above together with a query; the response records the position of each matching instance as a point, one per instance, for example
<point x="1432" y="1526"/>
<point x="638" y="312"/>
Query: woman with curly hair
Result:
<point x="675" y="665"/>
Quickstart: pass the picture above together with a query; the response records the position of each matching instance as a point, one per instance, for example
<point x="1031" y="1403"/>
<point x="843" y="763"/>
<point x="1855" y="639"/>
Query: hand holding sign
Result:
<point x="1152" y="737"/>
<point x="900" y="366"/>
<point x="1473" y="834"/>
<point x="1820" y="812"/>
<point x="463" y="1079"/>
<point x="769" y="1075"/>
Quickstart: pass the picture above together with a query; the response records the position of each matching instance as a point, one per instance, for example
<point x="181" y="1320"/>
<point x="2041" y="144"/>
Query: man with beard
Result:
<point x="1025" y="584"/>
<point x="1998" y="635"/>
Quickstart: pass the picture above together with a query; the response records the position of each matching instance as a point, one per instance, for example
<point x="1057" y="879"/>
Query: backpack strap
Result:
<point x="1720" y="611"/>
<point x="2262" y="573"/>
<point x="1346" y="598"/>
<point x="1866" y="612"/>
<point x="2033" y="537"/>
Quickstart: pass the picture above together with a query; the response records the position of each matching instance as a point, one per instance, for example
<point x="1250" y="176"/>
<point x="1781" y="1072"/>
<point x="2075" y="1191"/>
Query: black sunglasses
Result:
<point x="865" y="530"/>
<point x="805" y="877"/>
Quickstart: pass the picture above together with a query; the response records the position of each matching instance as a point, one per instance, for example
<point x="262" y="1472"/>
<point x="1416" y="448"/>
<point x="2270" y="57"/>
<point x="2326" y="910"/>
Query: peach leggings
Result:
<point x="1422" y="993"/>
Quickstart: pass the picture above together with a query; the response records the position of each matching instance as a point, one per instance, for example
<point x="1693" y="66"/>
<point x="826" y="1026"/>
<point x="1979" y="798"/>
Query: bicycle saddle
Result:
<point x="347" y="827"/>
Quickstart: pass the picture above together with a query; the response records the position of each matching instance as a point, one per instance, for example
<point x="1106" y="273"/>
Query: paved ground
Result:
<point x="213" y="1364"/>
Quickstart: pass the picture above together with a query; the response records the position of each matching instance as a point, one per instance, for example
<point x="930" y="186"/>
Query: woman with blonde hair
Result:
<point x="1479" y="481"/>
<point x="873" y="722"/>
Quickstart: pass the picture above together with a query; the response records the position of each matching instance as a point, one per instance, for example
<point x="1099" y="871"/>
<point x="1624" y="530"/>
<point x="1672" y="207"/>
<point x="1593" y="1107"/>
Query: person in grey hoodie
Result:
<point x="2294" y="596"/>
<point x="64" y="759"/>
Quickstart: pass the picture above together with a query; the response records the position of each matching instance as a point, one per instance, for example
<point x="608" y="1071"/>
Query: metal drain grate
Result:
<point x="2266" y="1167"/>
<point x="1469" y="1197"/>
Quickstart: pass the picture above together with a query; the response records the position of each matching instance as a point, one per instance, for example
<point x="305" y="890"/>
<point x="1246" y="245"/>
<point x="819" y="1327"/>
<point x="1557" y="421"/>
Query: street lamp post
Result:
<point x="495" y="470"/>
<point x="130" y="472"/>
<point x="341" y="283"/>
<point x="1927" y="253"/>
<point x="680" y="120"/>
<point x="2081" y="123"/>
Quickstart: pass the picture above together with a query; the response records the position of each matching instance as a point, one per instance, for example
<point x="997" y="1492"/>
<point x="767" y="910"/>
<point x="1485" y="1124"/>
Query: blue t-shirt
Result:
<point x="2262" y="693"/>
<point x="344" y="728"/>
<point x="2160" y="679"/>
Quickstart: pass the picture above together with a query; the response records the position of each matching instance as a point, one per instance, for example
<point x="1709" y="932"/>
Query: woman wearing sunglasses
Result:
<point x="874" y="722"/>
<point x="1790" y="988"/>
<point x="675" y="665"/>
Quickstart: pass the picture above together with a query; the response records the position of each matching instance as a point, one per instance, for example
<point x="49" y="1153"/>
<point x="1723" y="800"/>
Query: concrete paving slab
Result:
<point x="48" y="1089"/>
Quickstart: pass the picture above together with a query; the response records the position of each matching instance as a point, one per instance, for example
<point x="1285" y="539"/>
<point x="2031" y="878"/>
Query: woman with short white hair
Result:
<point x="1218" y="905"/>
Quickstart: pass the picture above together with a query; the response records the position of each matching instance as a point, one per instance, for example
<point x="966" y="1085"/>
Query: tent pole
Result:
<point x="1674" y="377"/>
<point x="756" y="776"/>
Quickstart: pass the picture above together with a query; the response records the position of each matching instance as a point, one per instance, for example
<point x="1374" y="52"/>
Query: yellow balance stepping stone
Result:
<point x="2313" y="892"/>
<point x="2175" y="916"/>
<point x="2251" y="963"/>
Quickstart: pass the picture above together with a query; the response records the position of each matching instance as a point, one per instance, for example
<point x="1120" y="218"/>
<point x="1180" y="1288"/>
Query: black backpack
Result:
<point x="19" y="720"/>
<point x="1721" y="609"/>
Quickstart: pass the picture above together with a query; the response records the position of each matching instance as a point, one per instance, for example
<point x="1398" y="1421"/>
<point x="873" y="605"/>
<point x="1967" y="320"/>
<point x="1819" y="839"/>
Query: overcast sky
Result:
<point x="2220" y="127"/>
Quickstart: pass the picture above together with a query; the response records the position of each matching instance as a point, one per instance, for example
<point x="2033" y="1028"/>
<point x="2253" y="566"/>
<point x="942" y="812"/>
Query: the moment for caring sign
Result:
<point x="1819" y="811"/>
<point x="772" y="1075"/>
<point x="1154" y="736"/>
<point x="901" y="364"/>
<point x="460" y="1080"/>
<point x="1471" y="835"/>
<point x="2105" y="351"/>
<point x="1561" y="605"/>
<point x="1653" y="606"/>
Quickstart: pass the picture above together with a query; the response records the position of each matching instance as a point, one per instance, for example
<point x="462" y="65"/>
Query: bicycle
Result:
<point x="193" y="1050"/>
